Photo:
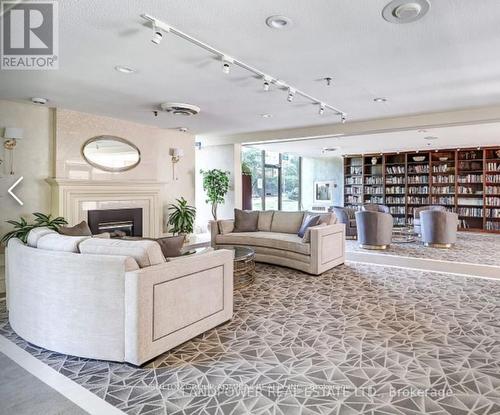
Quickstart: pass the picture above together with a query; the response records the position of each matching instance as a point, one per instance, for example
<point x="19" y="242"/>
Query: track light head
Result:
<point x="157" y="36"/>
<point x="343" y="118"/>
<point x="266" y="85"/>
<point x="291" y="94"/>
<point x="226" y="67"/>
<point x="321" y="108"/>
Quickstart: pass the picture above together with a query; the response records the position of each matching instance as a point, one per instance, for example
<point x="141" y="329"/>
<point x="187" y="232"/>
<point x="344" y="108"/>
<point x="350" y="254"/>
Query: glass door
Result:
<point x="271" y="188"/>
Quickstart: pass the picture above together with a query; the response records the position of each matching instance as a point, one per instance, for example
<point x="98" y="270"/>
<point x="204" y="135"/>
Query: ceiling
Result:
<point x="444" y="61"/>
<point x="447" y="137"/>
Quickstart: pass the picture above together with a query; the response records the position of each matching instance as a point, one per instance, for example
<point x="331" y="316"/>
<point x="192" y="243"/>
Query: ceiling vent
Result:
<point x="176" y="108"/>
<point x="405" y="11"/>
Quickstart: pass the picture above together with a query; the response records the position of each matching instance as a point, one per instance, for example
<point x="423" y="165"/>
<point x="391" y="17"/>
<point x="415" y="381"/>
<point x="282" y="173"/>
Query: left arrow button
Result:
<point x="10" y="192"/>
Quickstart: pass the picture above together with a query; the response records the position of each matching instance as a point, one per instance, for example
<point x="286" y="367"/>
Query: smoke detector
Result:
<point x="39" y="101"/>
<point x="405" y="11"/>
<point x="176" y="108"/>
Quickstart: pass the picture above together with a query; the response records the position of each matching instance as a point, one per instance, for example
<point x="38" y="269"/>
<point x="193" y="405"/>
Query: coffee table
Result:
<point x="244" y="265"/>
<point x="403" y="235"/>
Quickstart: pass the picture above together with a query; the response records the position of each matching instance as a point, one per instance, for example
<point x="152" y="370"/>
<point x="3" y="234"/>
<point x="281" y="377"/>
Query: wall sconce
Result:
<point x="177" y="154"/>
<point x="11" y="136"/>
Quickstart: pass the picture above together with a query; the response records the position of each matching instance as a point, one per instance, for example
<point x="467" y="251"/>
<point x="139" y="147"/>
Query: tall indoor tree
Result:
<point x="216" y="184"/>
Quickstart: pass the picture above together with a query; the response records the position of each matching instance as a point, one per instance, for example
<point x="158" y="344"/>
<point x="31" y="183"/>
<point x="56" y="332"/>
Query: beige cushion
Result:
<point x="307" y="235"/>
<point x="245" y="220"/>
<point x="82" y="229"/>
<point x="64" y="243"/>
<point x="287" y="222"/>
<point x="35" y="234"/>
<point x="145" y="252"/>
<point x="265" y="220"/>
<point x="276" y="240"/>
<point x="131" y="264"/>
<point x="226" y="226"/>
<point x="327" y="218"/>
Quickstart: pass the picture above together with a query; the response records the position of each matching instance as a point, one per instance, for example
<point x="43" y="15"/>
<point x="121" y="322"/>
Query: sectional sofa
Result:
<point x="113" y="299"/>
<point x="275" y="240"/>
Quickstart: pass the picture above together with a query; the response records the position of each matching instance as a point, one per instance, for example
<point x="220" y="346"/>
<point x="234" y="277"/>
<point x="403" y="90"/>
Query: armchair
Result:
<point x="439" y="229"/>
<point x="416" y="215"/>
<point x="346" y="216"/>
<point x="374" y="229"/>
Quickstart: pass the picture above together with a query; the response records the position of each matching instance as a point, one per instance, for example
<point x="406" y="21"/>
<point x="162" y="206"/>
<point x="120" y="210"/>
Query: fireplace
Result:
<point x="118" y="222"/>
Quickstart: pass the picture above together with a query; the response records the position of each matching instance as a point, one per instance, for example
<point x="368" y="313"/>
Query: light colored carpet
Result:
<point x="357" y="339"/>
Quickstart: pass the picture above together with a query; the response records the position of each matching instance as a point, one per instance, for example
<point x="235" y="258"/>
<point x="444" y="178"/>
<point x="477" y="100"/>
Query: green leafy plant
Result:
<point x="181" y="217"/>
<point x="245" y="169"/>
<point x="216" y="184"/>
<point x="22" y="227"/>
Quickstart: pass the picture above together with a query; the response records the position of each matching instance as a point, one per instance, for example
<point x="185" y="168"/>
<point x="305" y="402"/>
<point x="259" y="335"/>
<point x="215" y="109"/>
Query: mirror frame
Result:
<point x="110" y="169"/>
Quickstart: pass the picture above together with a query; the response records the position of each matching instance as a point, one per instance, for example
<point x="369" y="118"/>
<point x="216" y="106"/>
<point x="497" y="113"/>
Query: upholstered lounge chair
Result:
<point x="439" y="229"/>
<point x="373" y="207"/>
<point x="346" y="216"/>
<point x="416" y="215"/>
<point x="374" y="229"/>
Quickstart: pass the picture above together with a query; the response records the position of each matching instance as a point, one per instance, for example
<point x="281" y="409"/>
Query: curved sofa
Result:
<point x="276" y="241"/>
<point x="114" y="300"/>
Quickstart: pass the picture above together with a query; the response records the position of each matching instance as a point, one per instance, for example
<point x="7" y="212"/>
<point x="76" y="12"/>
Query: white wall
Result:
<point x="33" y="161"/>
<point x="225" y="157"/>
<point x="318" y="169"/>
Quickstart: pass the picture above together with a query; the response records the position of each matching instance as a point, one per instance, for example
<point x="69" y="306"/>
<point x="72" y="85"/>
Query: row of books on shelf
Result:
<point x="493" y="178"/>
<point x="493" y="166"/>
<point x="443" y="168"/>
<point x="397" y="210"/>
<point x="492" y="190"/>
<point x="353" y="199"/>
<point x="443" y="200"/>
<point x="467" y="190"/>
<point x="418" y="169"/>
<point x="492" y="226"/>
<point x="374" y="190"/>
<point x="493" y="213"/>
<point x="443" y="190"/>
<point x="444" y="179"/>
<point x="470" y="211"/>
<point x="418" y="179"/>
<point x="398" y="221"/>
<point x="415" y="200"/>
<point x="468" y="201"/>
<point x="470" y="178"/>
<point x="395" y="180"/>
<point x="395" y="190"/>
<point x="493" y="201"/>
<point x="395" y="200"/>
<point x="355" y="170"/>
<point x="374" y="180"/>
<point x="395" y="170"/>
<point x="375" y="199"/>
<point x="420" y="190"/>
<point x="353" y="180"/>
<point x="467" y="223"/>
<point x="353" y="190"/>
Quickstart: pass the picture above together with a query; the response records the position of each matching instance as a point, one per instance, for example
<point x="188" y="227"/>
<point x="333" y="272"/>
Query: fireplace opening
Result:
<point x="118" y="222"/>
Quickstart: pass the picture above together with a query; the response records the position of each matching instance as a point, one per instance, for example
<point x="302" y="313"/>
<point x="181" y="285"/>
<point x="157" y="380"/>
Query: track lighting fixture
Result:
<point x="267" y="84"/>
<point x="157" y="35"/>
<point x="160" y="28"/>
<point x="343" y="118"/>
<point x="321" y="109"/>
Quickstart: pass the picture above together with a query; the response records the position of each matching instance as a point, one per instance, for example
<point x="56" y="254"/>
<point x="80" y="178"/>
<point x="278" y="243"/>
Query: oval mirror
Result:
<point x="110" y="153"/>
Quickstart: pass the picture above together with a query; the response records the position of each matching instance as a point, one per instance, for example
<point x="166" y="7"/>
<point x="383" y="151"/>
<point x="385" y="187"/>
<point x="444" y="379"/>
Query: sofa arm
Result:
<point x="220" y="227"/>
<point x="170" y="303"/>
<point x="327" y="247"/>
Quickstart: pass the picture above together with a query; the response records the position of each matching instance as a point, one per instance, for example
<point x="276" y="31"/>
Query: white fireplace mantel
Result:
<point x="72" y="199"/>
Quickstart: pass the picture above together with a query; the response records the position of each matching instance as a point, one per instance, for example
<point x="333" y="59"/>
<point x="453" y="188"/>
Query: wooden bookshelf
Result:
<point x="466" y="181"/>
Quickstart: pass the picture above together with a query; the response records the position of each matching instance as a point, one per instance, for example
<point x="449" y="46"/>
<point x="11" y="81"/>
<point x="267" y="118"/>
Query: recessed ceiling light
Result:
<point x="39" y="101"/>
<point x="278" y="22"/>
<point x="421" y="131"/>
<point x="405" y="11"/>
<point x="266" y="115"/>
<point x="430" y="137"/>
<point x="124" y="69"/>
<point x="183" y="129"/>
<point x="380" y="99"/>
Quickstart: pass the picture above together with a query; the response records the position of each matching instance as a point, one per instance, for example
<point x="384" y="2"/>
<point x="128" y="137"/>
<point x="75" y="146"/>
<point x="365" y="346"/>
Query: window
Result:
<point x="275" y="179"/>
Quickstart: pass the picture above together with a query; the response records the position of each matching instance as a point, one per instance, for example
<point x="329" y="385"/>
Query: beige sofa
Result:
<point x="113" y="300"/>
<point x="276" y="241"/>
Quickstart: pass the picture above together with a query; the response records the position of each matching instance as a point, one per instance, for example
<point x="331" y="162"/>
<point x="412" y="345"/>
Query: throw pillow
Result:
<point x="265" y="220"/>
<point x="171" y="246"/>
<point x="307" y="222"/>
<point x="307" y="236"/>
<point x="82" y="229"/>
<point x="245" y="220"/>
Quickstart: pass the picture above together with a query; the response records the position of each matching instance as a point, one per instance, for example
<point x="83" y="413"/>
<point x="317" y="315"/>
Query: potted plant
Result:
<point x="181" y="217"/>
<point x="22" y="227"/>
<point x="216" y="184"/>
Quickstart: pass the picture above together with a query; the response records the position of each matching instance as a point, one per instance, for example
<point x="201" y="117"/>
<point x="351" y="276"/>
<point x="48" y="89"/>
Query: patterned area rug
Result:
<point x="474" y="248"/>
<point x="358" y="339"/>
